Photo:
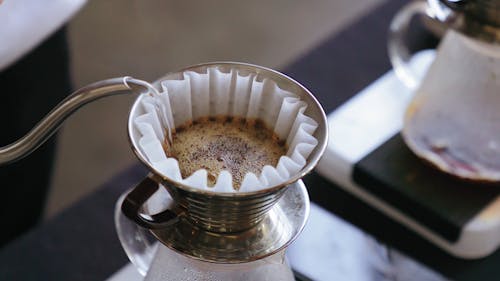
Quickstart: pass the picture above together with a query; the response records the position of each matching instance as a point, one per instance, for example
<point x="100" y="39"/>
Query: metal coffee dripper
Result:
<point x="213" y="227"/>
<point x="221" y="228"/>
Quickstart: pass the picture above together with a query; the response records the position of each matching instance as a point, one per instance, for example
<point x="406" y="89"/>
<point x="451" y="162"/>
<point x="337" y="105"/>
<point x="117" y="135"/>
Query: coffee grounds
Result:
<point x="228" y="144"/>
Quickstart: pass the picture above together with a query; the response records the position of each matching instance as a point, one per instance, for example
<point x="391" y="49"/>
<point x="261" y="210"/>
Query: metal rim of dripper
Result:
<point x="261" y="72"/>
<point x="296" y="217"/>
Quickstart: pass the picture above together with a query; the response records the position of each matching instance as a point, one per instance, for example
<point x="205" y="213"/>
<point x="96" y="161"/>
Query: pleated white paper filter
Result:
<point x="216" y="93"/>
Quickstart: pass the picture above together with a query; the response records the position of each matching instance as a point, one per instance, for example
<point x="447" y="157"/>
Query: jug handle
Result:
<point x="52" y="121"/>
<point x="399" y="53"/>
<point x="137" y="242"/>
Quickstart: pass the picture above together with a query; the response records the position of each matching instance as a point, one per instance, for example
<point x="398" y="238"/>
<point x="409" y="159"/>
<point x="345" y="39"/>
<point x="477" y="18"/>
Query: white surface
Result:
<point x="126" y="273"/>
<point x="332" y="249"/>
<point x="365" y="122"/>
<point x="25" y="23"/>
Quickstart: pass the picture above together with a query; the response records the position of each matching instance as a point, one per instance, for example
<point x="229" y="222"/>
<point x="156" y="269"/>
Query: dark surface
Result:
<point x="345" y="64"/>
<point x="81" y="243"/>
<point x="440" y="202"/>
<point x="29" y="90"/>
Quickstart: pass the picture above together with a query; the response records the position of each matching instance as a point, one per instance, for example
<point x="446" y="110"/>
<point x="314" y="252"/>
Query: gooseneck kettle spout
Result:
<point x="52" y="121"/>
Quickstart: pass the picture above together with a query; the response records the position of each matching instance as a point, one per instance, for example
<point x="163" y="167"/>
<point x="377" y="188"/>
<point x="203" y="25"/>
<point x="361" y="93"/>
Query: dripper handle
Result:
<point x="135" y="199"/>
<point x="52" y="121"/>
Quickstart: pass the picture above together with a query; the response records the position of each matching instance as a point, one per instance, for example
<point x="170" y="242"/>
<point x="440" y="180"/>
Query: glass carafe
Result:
<point x="453" y="120"/>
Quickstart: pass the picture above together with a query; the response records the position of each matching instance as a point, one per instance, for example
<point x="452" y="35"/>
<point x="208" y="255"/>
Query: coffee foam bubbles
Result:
<point x="217" y="93"/>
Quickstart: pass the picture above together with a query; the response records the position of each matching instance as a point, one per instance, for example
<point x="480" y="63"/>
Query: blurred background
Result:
<point x="147" y="39"/>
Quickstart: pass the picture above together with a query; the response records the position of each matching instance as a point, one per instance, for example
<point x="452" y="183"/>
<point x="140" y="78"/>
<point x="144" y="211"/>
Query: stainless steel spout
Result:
<point x="52" y="121"/>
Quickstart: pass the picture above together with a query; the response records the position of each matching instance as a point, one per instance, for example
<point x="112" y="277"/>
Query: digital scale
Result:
<point x="367" y="157"/>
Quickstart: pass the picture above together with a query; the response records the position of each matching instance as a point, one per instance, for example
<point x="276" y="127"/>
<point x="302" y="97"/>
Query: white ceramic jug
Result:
<point x="453" y="121"/>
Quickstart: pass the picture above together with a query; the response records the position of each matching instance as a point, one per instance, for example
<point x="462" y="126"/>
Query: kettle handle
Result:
<point x="399" y="53"/>
<point x="52" y="121"/>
